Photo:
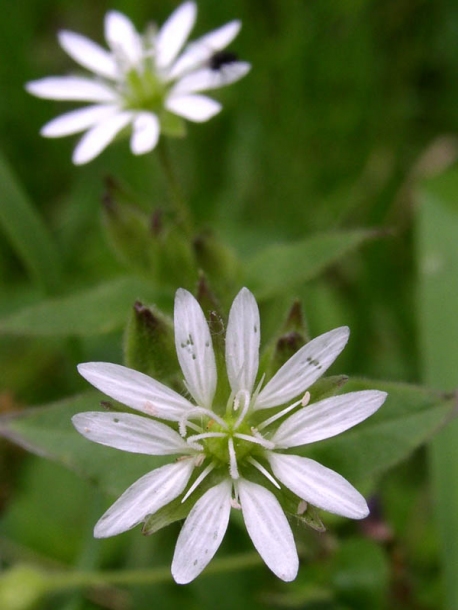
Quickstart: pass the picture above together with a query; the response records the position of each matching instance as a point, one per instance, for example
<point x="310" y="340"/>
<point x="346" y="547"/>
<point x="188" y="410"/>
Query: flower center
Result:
<point x="143" y="90"/>
<point x="218" y="446"/>
<point x="228" y="442"/>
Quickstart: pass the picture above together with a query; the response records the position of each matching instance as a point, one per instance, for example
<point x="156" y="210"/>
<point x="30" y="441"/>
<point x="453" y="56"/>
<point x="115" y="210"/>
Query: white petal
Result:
<point x="327" y="418"/>
<point x="145" y="134"/>
<point x="197" y="108"/>
<point x="207" y="78"/>
<point x="269" y="529"/>
<point x="303" y="369"/>
<point x="130" y="432"/>
<point x="242" y="342"/>
<point x="200" y="51"/>
<point x="318" y="485"/>
<point x="135" y="390"/>
<point x="71" y="88"/>
<point x="194" y="348"/>
<point x="202" y="533"/>
<point x="98" y="138"/>
<point x="174" y="33"/>
<point x="144" y="497"/>
<point x="88" y="54"/>
<point x="77" y="120"/>
<point x="123" y="38"/>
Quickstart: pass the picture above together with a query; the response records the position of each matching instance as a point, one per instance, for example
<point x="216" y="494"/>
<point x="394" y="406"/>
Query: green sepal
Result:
<point x="128" y="231"/>
<point x="177" y="266"/>
<point x="149" y="345"/>
<point x="311" y="517"/>
<point x="218" y="261"/>
<point x="217" y="323"/>
<point x="326" y="387"/>
<point x="291" y="336"/>
<point x="172" y="125"/>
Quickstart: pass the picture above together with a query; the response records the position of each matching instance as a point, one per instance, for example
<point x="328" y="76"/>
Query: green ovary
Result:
<point x="144" y="92"/>
<point x="218" y="449"/>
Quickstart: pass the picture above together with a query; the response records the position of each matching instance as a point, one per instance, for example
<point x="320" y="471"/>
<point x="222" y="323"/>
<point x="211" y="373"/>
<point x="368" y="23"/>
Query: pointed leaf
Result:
<point x="48" y="431"/>
<point x="283" y="266"/>
<point x="408" y="418"/>
<point x="437" y="259"/>
<point x="26" y="231"/>
<point x="89" y="312"/>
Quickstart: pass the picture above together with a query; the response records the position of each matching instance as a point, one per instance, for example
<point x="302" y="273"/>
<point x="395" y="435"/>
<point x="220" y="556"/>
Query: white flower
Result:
<point x="141" y="83"/>
<point x="235" y="441"/>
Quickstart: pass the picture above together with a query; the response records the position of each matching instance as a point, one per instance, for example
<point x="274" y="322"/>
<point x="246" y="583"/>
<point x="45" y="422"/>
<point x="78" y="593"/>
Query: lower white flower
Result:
<point x="231" y="445"/>
<point x="141" y="84"/>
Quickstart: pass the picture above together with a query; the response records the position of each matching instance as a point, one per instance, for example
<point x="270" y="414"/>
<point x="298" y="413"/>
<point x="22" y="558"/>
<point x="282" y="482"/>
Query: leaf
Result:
<point x="26" y="231"/>
<point x="283" y="266"/>
<point x="48" y="432"/>
<point x="408" y="418"/>
<point x="94" y="311"/>
<point x="437" y="255"/>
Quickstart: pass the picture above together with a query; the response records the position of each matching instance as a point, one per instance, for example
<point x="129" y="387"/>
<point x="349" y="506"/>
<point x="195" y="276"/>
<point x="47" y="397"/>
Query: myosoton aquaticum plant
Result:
<point x="232" y="452"/>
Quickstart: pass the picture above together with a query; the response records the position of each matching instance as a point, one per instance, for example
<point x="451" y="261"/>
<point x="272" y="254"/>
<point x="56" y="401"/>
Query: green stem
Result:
<point x="180" y="207"/>
<point x="74" y="580"/>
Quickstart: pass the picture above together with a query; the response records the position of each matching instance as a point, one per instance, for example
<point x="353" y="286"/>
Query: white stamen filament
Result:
<point x="264" y="471"/>
<point x="258" y="389"/>
<point x="233" y="470"/>
<point x="257" y="440"/>
<point x="278" y="415"/>
<point x="246" y="406"/>
<point x="198" y="481"/>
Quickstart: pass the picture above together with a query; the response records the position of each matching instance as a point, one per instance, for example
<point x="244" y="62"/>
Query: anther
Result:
<point x="305" y="399"/>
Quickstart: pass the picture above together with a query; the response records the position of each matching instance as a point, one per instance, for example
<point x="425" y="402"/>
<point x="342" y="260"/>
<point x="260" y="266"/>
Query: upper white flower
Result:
<point x="141" y="83"/>
<point x="232" y="443"/>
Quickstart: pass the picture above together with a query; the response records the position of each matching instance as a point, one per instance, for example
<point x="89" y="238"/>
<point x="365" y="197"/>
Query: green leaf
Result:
<point x="408" y="418"/>
<point x="437" y="254"/>
<point x="283" y="266"/>
<point x="26" y="231"/>
<point x="94" y="311"/>
<point x="47" y="431"/>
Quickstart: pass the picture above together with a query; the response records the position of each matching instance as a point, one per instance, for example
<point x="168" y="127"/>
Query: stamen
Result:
<point x="246" y="406"/>
<point x="198" y="481"/>
<point x="264" y="471"/>
<point x="301" y="507"/>
<point x="305" y="399"/>
<point x="258" y="389"/>
<point x="257" y="440"/>
<point x="236" y="504"/>
<point x="233" y="470"/>
<point x="230" y="402"/>
<point x="199" y="460"/>
<point x="278" y="415"/>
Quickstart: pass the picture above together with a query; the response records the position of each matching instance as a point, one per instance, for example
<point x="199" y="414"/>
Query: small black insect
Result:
<point x="219" y="59"/>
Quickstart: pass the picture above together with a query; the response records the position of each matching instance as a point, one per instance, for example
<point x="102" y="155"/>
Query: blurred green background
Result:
<point x="350" y="105"/>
